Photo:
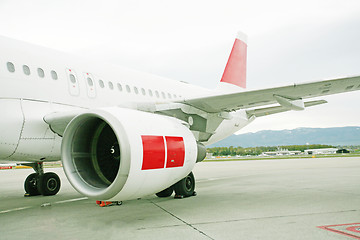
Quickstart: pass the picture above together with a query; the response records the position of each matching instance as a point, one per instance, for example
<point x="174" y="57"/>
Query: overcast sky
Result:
<point x="288" y="42"/>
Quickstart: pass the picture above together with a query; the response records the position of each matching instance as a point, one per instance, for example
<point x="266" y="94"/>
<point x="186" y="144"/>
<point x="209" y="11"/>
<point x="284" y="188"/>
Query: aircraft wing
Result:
<point x="289" y="97"/>
<point x="281" y="95"/>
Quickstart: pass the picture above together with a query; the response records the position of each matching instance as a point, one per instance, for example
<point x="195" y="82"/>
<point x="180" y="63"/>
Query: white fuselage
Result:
<point x="36" y="81"/>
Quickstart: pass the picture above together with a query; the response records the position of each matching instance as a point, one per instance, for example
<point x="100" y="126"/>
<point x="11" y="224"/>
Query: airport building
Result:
<point x="321" y="151"/>
<point x="281" y="152"/>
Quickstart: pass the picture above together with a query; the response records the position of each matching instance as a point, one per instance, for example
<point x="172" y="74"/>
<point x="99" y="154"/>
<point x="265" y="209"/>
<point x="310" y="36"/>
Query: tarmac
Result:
<point x="257" y="199"/>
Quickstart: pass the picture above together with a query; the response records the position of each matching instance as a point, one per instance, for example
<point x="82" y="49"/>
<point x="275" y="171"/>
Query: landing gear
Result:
<point x="41" y="183"/>
<point x="166" y="192"/>
<point x="184" y="188"/>
<point x="48" y="184"/>
<point x="30" y="185"/>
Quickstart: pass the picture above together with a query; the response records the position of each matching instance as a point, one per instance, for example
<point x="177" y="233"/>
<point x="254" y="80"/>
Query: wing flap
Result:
<point x="260" y="112"/>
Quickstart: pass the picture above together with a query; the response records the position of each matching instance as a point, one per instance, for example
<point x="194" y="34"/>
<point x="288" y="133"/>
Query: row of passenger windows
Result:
<point x="54" y="76"/>
<point x="128" y="89"/>
<point x="26" y="70"/>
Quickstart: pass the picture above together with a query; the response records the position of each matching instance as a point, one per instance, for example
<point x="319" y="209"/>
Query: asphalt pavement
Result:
<point x="265" y="199"/>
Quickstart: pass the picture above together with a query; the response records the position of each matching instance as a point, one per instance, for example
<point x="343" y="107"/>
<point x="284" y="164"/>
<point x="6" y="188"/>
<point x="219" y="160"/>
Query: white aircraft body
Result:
<point x="122" y="134"/>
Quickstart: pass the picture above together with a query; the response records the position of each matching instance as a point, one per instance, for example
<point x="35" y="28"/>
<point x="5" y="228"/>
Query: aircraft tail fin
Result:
<point x="235" y="70"/>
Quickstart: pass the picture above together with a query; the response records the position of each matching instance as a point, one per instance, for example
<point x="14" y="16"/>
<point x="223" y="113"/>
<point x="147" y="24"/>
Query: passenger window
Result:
<point x="26" y="70"/>
<point x="119" y="87"/>
<point x="169" y="95"/>
<point x="101" y="83"/>
<point x="136" y="90"/>
<point x="157" y="94"/>
<point x="163" y="94"/>
<point x="54" y="75"/>
<point x="10" y="67"/>
<point x="143" y="91"/>
<point x="128" y="89"/>
<point x="72" y="78"/>
<point x="90" y="82"/>
<point x="41" y="72"/>
<point x="150" y="93"/>
<point x="111" y="85"/>
<point x="175" y="96"/>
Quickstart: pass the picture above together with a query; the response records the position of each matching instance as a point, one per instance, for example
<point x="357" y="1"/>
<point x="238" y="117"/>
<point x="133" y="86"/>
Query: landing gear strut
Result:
<point x="41" y="183"/>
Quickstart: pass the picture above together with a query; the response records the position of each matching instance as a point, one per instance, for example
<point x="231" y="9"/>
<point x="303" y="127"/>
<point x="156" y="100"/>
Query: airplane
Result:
<point x="123" y="134"/>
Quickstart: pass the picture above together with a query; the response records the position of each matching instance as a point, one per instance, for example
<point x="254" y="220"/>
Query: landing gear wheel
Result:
<point x="30" y="185"/>
<point x="166" y="192"/>
<point x="49" y="184"/>
<point x="185" y="187"/>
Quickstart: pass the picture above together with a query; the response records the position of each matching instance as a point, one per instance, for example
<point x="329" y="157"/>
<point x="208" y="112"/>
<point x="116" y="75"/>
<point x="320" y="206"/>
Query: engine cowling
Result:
<point x="120" y="154"/>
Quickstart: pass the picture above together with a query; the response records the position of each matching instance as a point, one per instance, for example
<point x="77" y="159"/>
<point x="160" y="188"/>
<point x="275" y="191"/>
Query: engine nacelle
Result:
<point x="120" y="154"/>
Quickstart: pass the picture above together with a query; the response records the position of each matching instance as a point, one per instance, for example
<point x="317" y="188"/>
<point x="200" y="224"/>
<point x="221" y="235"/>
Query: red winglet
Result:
<point x="235" y="70"/>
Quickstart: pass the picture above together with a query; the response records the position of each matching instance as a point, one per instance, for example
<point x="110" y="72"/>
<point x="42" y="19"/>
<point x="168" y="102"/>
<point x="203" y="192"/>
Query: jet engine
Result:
<point x="119" y="154"/>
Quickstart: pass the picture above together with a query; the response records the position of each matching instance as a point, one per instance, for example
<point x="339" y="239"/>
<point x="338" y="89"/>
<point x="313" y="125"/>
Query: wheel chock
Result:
<point x="106" y="203"/>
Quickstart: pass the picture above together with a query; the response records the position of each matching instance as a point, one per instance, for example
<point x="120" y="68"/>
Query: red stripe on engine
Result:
<point x="153" y="152"/>
<point x="175" y="152"/>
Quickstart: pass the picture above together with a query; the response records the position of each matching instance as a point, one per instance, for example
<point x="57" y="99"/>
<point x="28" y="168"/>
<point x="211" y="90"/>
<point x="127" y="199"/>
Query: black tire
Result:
<point x="166" y="192"/>
<point x="49" y="184"/>
<point x="30" y="185"/>
<point x="186" y="186"/>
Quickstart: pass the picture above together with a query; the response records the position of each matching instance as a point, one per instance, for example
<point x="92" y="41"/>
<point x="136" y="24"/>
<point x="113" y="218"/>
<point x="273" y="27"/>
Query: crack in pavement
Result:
<point x="186" y="223"/>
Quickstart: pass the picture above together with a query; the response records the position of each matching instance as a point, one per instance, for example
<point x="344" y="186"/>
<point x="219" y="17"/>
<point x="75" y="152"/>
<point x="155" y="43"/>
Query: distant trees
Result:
<point x="233" y="151"/>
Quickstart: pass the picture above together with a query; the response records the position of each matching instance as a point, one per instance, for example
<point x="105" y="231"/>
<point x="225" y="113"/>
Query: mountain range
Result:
<point x="299" y="136"/>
